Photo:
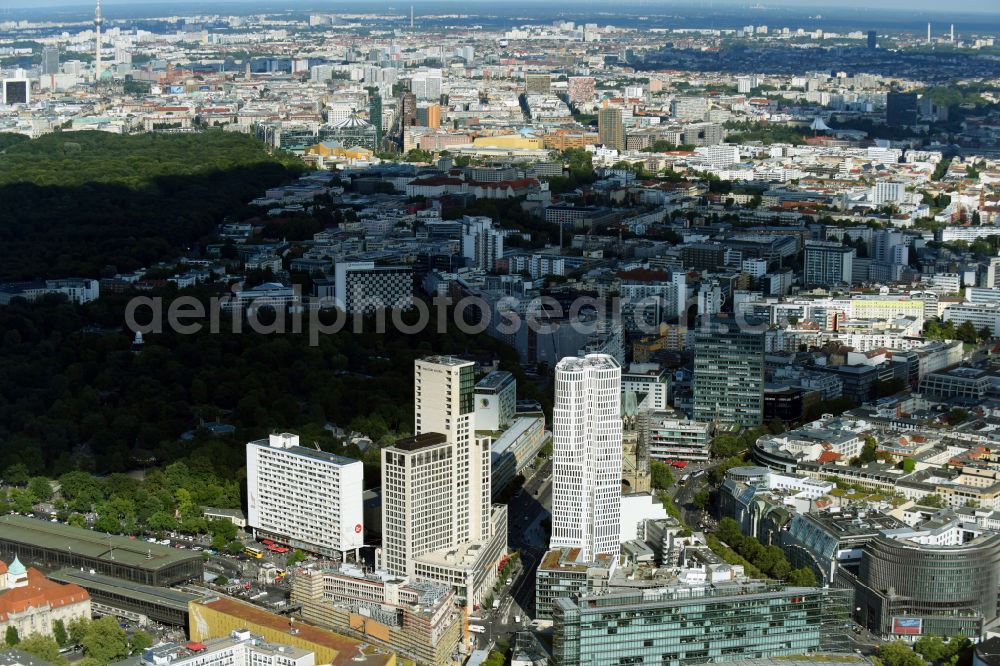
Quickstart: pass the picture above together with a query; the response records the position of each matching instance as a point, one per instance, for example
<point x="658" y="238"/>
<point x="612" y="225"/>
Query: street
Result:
<point x="527" y="532"/>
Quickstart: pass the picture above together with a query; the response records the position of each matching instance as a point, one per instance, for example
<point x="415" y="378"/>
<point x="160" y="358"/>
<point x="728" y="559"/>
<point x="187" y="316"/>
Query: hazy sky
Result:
<point x="904" y="6"/>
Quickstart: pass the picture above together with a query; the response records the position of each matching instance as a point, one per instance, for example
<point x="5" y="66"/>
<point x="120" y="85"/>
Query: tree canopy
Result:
<point x="90" y="203"/>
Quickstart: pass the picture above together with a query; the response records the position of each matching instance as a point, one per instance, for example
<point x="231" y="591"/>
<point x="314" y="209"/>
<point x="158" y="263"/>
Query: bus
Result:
<point x="253" y="552"/>
<point x="477" y="629"/>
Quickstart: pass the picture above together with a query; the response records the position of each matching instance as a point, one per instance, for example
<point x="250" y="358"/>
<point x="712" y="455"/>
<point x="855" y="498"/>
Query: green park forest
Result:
<point x="88" y="204"/>
<point x="75" y="396"/>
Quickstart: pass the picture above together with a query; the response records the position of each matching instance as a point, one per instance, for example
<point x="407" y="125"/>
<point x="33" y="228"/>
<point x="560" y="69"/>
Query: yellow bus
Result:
<point x="253" y="552"/>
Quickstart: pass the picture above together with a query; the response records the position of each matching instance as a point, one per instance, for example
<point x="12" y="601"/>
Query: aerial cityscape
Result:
<point x="438" y="334"/>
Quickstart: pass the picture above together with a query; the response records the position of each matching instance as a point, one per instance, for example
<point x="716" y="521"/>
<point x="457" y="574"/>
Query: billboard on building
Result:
<point x="907" y="626"/>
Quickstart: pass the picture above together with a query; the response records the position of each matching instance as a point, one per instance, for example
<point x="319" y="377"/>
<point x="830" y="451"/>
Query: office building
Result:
<point x="240" y="647"/>
<point x="16" y="91"/>
<point x="481" y="242"/>
<point x="942" y="581"/>
<point x="408" y="109"/>
<point x="496" y="400"/>
<point x="305" y="498"/>
<point x="703" y="256"/>
<point x="689" y="108"/>
<point x="514" y="449"/>
<point x="426" y="84"/>
<point x="581" y="89"/>
<point x="719" y="156"/>
<point x="587" y="455"/>
<point x="649" y="382"/>
<point x="564" y="573"/>
<point x="666" y="437"/>
<point x="444" y="402"/>
<point x="417" y="620"/>
<point x="418" y="500"/>
<point x="429" y="114"/>
<point x="420" y="519"/>
<point x="981" y="315"/>
<point x="437" y="519"/>
<point x="872" y="39"/>
<point x="703" y="134"/>
<point x="375" y="114"/>
<point x="579" y="217"/>
<point x="936" y="577"/>
<point x="76" y="290"/>
<point x="50" y="60"/>
<point x="728" y="374"/>
<point x="352" y="132"/>
<point x="827" y="264"/>
<point x="687" y="625"/>
<point x="901" y="109"/>
<point x="537" y="84"/>
<point x="887" y="192"/>
<point x="610" y="130"/>
<point x="363" y="287"/>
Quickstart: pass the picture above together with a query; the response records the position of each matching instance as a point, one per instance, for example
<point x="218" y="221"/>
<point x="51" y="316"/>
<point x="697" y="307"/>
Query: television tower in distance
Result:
<point x="411" y="17"/>
<point x="928" y="33"/>
<point x="98" y="22"/>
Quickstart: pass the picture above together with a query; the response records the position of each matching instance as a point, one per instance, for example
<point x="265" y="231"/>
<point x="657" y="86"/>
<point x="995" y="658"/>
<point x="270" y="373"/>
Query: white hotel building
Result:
<point x="587" y="458"/>
<point x="305" y="498"/>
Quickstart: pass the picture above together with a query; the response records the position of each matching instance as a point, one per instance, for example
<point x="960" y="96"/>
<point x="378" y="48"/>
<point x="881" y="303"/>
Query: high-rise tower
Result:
<point x="438" y="522"/>
<point x="729" y="374"/>
<point x="98" y="22"/>
<point x="610" y="130"/>
<point x="444" y="402"/>
<point x="587" y="456"/>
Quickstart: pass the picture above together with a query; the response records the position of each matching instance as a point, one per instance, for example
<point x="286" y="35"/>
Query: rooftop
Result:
<point x="306" y="452"/>
<point x="15" y="657"/>
<point x="347" y="649"/>
<point x="421" y="441"/>
<point x="161" y="596"/>
<point x="494" y="380"/>
<point x="568" y="559"/>
<point x="681" y="595"/>
<point x="453" y="361"/>
<point x="87" y="543"/>
<point x="601" y="361"/>
<point x="856" y="523"/>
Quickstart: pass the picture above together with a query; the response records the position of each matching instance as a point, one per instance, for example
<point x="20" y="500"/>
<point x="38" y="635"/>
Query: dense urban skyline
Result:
<point x="550" y="334"/>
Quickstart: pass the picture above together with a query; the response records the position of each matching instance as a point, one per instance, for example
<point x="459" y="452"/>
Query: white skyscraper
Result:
<point x="481" y="242"/>
<point x="426" y="84"/>
<point x="587" y="458"/>
<point x="305" y="498"/>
